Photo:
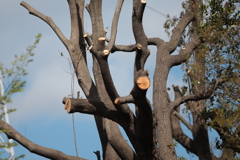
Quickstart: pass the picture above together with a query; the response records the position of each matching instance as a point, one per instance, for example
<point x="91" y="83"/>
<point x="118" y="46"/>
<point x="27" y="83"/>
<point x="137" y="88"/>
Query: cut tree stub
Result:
<point x="105" y="52"/>
<point x="139" y="46"/>
<point x="117" y="101"/>
<point x="101" y="38"/>
<point x="68" y="105"/>
<point x="143" y="82"/>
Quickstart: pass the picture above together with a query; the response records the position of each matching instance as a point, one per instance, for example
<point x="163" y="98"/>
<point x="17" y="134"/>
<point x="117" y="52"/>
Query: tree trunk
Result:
<point x="166" y="149"/>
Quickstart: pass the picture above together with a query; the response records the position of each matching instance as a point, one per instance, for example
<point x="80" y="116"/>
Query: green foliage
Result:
<point x="220" y="54"/>
<point x="169" y="23"/>
<point x="12" y="77"/>
<point x="220" y="30"/>
<point x="9" y="111"/>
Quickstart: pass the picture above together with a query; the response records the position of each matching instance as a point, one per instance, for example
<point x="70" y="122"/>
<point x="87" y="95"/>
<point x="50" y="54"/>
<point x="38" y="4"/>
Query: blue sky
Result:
<point x="40" y="115"/>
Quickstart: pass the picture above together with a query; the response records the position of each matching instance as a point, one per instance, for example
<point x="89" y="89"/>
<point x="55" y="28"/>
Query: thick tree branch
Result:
<point x="183" y="120"/>
<point x="127" y="99"/>
<point x="205" y="94"/>
<point x="110" y="87"/>
<point x="114" y="26"/>
<point x="184" y="140"/>
<point x="185" y="52"/>
<point x="140" y="9"/>
<point x="104" y="110"/>
<point x="109" y="152"/>
<point x="155" y="41"/>
<point x="74" y="22"/>
<point x="177" y="131"/>
<point x="178" y="30"/>
<point x="118" y="142"/>
<point x="32" y="147"/>
<point x="80" y="10"/>
<point x="144" y="120"/>
<point x="94" y="9"/>
<point x="124" y="48"/>
<point x="49" y="21"/>
<point x="84" y="78"/>
<point x="114" y="136"/>
<point x="92" y="107"/>
<point x="142" y="52"/>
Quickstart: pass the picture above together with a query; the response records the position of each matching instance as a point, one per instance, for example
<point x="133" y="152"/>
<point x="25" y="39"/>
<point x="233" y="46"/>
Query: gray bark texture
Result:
<point x="153" y="127"/>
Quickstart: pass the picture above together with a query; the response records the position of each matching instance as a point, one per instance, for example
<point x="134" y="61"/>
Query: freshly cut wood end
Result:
<point x="68" y="105"/>
<point x="101" y="38"/>
<point x="117" y="101"/>
<point x="105" y="52"/>
<point x="142" y="1"/>
<point x="143" y="82"/>
<point x="139" y="46"/>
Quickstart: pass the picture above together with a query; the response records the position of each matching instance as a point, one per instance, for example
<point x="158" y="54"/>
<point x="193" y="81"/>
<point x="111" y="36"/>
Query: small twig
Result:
<point x="97" y="154"/>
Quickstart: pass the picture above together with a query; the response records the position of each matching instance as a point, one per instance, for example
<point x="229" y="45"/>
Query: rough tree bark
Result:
<point x="152" y="128"/>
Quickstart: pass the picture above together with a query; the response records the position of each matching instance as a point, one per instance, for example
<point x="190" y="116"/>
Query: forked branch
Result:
<point x="204" y="95"/>
<point x="32" y="147"/>
<point x="185" y="52"/>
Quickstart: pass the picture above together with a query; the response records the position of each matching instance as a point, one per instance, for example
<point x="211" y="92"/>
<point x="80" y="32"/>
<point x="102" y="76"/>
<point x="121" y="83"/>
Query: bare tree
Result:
<point x="152" y="127"/>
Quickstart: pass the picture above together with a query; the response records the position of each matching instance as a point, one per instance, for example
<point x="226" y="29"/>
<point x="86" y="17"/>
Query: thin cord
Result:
<point x="74" y="132"/>
<point x="156" y="11"/>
